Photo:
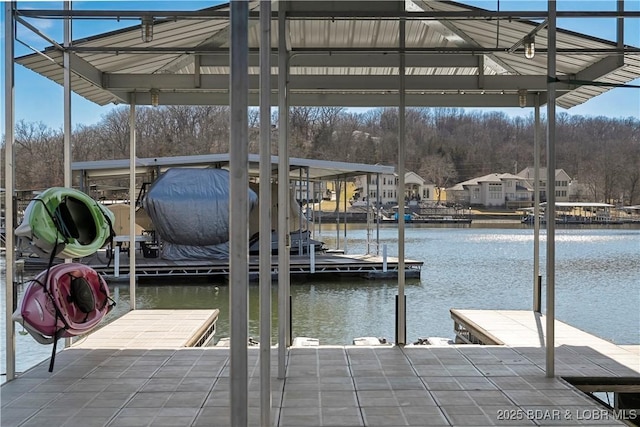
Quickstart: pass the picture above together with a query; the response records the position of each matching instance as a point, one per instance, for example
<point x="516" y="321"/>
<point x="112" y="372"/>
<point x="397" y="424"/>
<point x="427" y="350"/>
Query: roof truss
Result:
<point x="343" y="53"/>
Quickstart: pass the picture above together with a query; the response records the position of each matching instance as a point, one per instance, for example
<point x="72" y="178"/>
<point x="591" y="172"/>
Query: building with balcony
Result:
<point x="491" y="191"/>
<point x="384" y="188"/>
<point x="566" y="188"/>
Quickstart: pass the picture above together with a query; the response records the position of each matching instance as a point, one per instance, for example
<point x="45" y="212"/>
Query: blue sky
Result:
<point x="40" y="100"/>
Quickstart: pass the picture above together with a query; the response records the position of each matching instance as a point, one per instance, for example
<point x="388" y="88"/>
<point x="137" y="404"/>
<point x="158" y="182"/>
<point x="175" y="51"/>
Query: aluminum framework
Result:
<point x="450" y="43"/>
<point x="110" y="68"/>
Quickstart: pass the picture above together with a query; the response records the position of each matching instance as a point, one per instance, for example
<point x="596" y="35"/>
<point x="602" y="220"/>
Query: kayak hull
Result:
<point x="65" y="222"/>
<point x="51" y="307"/>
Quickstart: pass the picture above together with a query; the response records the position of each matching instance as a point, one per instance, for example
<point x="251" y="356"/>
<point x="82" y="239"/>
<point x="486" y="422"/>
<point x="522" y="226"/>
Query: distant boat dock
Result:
<point x="319" y="265"/>
<point x="329" y="264"/>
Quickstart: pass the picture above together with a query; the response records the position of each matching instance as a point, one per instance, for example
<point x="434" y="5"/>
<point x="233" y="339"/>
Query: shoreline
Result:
<point x="491" y="219"/>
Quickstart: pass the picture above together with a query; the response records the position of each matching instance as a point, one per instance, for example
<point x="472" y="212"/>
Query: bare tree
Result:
<point x="327" y="121"/>
<point x="442" y="144"/>
<point x="38" y="156"/>
<point x="440" y="170"/>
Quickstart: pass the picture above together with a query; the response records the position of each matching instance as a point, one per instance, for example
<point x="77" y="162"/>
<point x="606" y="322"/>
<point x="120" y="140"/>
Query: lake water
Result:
<point x="597" y="287"/>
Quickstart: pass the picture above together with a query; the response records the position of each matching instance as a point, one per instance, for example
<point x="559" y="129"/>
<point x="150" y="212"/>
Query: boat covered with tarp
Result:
<point x="189" y="208"/>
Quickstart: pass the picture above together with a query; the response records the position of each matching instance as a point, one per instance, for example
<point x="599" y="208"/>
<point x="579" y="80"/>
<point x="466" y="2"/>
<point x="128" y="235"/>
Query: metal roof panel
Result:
<point x="317" y="169"/>
<point x="328" y="35"/>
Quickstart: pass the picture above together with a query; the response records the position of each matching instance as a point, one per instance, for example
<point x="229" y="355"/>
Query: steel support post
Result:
<point x="66" y="88"/>
<point x="9" y="121"/>
<point x="551" y="189"/>
<point x="344" y="203"/>
<point x="536" y="201"/>
<point x="239" y="213"/>
<point x="132" y="198"/>
<point x="265" y="213"/>
<point x="284" y="244"/>
<point x="306" y="212"/>
<point x="401" y="336"/>
<point x="299" y="193"/>
<point x="67" y="99"/>
<point x="378" y="207"/>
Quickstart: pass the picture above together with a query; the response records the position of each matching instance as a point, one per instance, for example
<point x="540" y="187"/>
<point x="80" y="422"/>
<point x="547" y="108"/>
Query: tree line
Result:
<point x="443" y="145"/>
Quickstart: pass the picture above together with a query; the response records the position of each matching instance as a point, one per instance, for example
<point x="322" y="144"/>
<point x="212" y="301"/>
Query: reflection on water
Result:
<point x="597" y="276"/>
<point x="334" y="312"/>
<point x="597" y="287"/>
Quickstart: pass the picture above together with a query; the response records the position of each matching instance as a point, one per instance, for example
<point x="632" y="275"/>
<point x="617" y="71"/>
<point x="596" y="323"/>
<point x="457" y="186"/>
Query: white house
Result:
<point x="493" y="190"/>
<point x="385" y="186"/>
<point x="310" y="190"/>
<point x="565" y="188"/>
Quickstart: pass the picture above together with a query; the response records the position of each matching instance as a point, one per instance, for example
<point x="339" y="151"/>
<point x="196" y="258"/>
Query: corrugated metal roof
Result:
<point x="327" y="52"/>
<point x="314" y="169"/>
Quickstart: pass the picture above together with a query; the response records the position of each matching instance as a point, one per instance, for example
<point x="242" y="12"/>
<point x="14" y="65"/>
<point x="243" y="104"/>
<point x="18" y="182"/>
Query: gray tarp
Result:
<point x="190" y="211"/>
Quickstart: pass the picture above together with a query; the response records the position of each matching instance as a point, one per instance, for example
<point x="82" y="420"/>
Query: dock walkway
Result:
<point x="422" y="385"/>
<point x="154" y="329"/>
<point x="526" y="329"/>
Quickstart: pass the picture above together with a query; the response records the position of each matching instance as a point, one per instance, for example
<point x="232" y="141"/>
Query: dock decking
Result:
<point x="521" y="328"/>
<point x="463" y="385"/>
<point x="422" y="385"/>
<point x="154" y="329"/>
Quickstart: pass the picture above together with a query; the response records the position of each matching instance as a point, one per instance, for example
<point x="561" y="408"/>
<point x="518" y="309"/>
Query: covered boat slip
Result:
<point x="431" y="53"/>
<point x="303" y="172"/>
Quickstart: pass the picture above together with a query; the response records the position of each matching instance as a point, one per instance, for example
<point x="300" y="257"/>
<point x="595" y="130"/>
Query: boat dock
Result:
<point x="522" y="328"/>
<point x="301" y="266"/>
<point x="590" y="363"/>
<point x="450" y="385"/>
<point x="154" y="329"/>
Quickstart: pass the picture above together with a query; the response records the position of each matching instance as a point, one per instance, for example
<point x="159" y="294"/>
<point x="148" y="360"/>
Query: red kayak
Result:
<point x="66" y="300"/>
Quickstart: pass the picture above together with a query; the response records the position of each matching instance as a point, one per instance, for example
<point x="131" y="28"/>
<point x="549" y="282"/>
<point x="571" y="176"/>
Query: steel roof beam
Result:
<point x="600" y="69"/>
<point x="350" y="99"/>
<point x="216" y="41"/>
<point x="339" y="82"/>
<point x="85" y="70"/>
<point x="326" y="59"/>
<point x="474" y="50"/>
<point x="323" y="14"/>
<point x="468" y="40"/>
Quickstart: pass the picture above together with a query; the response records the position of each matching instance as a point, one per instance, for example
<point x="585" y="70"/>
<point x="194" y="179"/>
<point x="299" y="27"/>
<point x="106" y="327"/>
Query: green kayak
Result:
<point x="66" y="222"/>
